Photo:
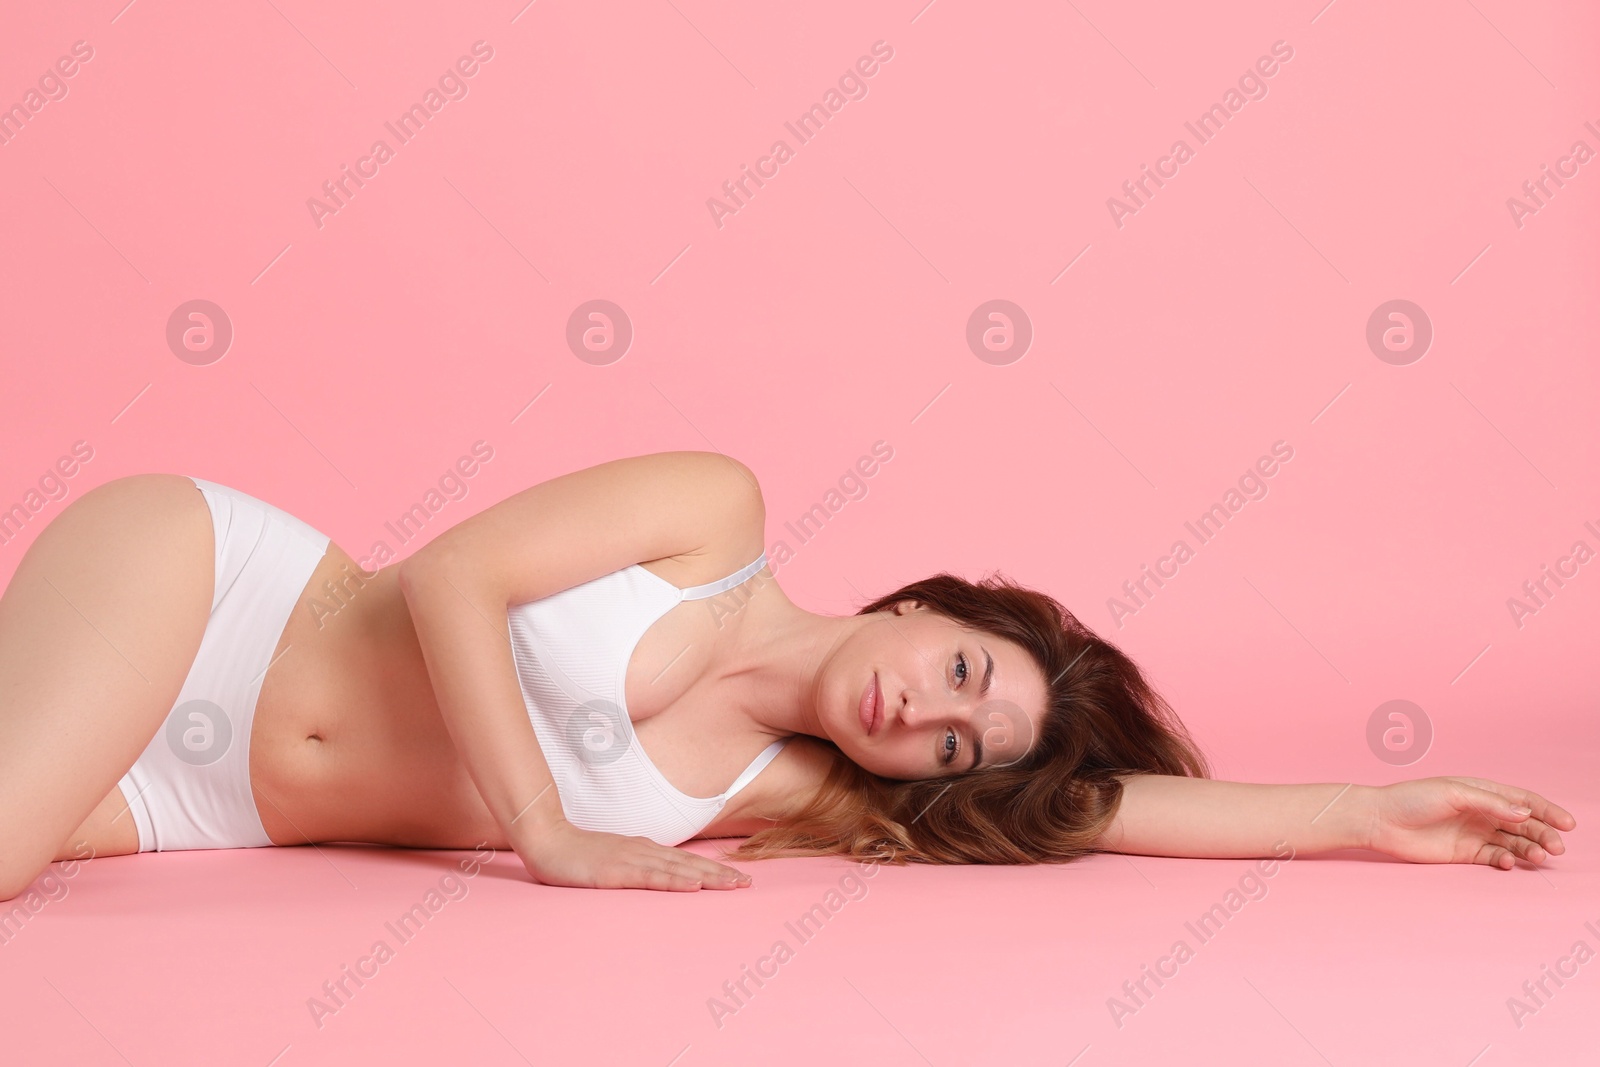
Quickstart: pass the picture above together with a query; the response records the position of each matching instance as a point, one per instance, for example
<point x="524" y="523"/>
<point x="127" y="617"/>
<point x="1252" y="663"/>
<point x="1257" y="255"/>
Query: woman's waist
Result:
<point x="348" y="729"/>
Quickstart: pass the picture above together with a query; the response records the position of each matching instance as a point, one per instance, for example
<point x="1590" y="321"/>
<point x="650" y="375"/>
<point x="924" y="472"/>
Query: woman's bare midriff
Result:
<point x="348" y="743"/>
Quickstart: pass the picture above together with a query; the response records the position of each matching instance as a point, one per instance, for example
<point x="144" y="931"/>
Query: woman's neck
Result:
<point x="778" y="662"/>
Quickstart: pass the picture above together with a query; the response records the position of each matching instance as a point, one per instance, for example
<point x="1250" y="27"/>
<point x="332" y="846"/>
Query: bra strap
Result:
<point x="757" y="765"/>
<point x="722" y="585"/>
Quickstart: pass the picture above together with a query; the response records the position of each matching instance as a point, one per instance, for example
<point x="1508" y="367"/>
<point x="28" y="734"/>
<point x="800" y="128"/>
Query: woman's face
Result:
<point x="930" y="716"/>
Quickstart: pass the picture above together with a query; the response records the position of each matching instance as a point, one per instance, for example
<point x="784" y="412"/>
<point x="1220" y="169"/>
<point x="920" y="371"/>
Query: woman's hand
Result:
<point x="564" y="854"/>
<point x="1466" y="820"/>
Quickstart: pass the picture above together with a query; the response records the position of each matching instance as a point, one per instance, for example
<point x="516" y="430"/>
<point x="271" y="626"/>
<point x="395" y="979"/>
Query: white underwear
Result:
<point x="191" y="786"/>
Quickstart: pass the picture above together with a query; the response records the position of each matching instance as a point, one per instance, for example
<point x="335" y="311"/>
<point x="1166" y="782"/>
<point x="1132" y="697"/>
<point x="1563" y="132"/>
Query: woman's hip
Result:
<point x="190" y="788"/>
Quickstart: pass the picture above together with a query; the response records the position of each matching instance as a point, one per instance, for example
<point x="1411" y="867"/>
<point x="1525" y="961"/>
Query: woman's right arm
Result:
<point x="1444" y="819"/>
<point x="556" y="535"/>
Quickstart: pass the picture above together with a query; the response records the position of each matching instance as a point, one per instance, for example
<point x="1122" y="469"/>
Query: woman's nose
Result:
<point x="922" y="710"/>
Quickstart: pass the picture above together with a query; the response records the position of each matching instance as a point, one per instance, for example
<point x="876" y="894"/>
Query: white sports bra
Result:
<point x="572" y="651"/>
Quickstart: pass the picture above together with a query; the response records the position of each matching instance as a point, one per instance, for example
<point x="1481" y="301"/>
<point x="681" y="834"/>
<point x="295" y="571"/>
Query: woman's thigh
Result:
<point x="98" y="629"/>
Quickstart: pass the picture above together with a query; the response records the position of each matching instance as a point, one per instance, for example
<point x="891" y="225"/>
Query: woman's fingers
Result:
<point x="646" y="875"/>
<point x="1505" y="812"/>
<point x="1554" y="814"/>
<point x="1496" y="856"/>
<point x="1531" y="851"/>
<point x="709" y="873"/>
<point x="661" y="878"/>
<point x="710" y="879"/>
<point x="601" y="860"/>
<point x="1551" y="813"/>
<point x="1545" y="836"/>
<point x="711" y="868"/>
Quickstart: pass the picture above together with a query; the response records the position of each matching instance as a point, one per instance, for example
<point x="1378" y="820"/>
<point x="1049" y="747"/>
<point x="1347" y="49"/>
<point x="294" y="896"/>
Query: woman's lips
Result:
<point x="871" y="702"/>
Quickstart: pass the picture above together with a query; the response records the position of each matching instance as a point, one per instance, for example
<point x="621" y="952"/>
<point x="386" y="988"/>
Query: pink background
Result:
<point x="830" y="312"/>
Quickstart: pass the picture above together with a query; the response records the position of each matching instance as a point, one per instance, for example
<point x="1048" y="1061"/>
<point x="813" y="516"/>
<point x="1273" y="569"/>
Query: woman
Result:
<point x="196" y="669"/>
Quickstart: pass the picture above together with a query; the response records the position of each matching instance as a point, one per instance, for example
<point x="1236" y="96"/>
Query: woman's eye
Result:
<point x="961" y="665"/>
<point x="952" y="745"/>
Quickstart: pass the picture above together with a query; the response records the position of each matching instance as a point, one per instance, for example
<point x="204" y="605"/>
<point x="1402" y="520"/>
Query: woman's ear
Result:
<point x="902" y="607"/>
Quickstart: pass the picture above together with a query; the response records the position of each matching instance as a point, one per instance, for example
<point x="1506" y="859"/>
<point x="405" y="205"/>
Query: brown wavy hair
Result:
<point x="1102" y="719"/>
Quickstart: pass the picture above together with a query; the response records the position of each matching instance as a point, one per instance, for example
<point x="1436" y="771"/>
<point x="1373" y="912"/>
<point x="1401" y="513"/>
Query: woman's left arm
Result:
<point x="1426" y="820"/>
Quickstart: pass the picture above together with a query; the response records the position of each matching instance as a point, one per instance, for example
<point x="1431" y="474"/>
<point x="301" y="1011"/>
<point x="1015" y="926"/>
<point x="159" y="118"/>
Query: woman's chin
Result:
<point x="868" y="764"/>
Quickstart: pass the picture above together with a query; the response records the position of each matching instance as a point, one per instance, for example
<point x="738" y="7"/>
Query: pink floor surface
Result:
<point x="1157" y="337"/>
<point x="1344" y="958"/>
